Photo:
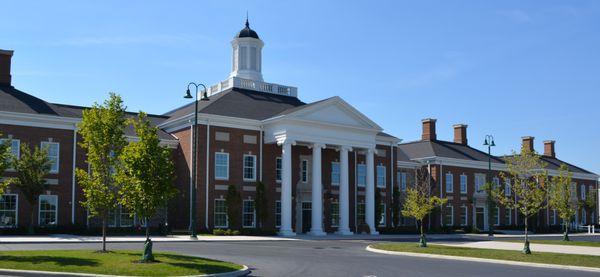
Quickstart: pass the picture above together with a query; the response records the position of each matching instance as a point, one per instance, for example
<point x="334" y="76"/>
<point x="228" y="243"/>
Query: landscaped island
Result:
<point x="119" y="262"/>
<point x="508" y="255"/>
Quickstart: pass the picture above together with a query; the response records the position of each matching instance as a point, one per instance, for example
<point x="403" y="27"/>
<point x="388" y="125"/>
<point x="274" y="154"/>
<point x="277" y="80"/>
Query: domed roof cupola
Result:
<point x="247" y="55"/>
<point x="247" y="32"/>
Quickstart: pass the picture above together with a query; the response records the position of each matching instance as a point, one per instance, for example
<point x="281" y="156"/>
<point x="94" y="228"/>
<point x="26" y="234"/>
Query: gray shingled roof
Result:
<point x="424" y="149"/>
<point x="241" y="103"/>
<point x="14" y="100"/>
<point x="554" y="164"/>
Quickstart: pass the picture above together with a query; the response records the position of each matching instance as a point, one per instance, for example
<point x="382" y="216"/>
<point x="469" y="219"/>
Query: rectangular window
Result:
<point x="53" y="151"/>
<point x="335" y="173"/>
<point x="449" y="183"/>
<point x="112" y="218"/>
<point x="8" y="210"/>
<point x="449" y="216"/>
<point x="464" y="215"/>
<point x="507" y="216"/>
<point x="553" y="217"/>
<point x="249" y="215"/>
<point x="14" y="148"/>
<point x="463" y="184"/>
<point x="220" y="214"/>
<point x="277" y="213"/>
<point x="249" y="168"/>
<point x="360" y="213"/>
<point x="496" y="182"/>
<point x="125" y="217"/>
<point x="48" y="210"/>
<point x="496" y="218"/>
<point x="582" y="191"/>
<point x="403" y="181"/>
<point x="304" y="171"/>
<point x="361" y="175"/>
<point x="221" y="166"/>
<point x="381" y="176"/>
<point x="383" y="214"/>
<point x="507" y="189"/>
<point x="479" y="182"/>
<point x="583" y="217"/>
<point x="335" y="214"/>
<point x="278" y="168"/>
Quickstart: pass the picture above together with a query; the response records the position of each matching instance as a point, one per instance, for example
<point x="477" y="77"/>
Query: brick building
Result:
<point x="321" y="163"/>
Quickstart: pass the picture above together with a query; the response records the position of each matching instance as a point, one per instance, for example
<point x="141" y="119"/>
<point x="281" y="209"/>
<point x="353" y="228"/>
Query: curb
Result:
<point x="240" y="272"/>
<point x="482" y="260"/>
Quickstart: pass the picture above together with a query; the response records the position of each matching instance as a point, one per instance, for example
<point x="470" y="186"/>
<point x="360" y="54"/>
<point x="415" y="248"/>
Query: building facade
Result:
<point x="324" y="165"/>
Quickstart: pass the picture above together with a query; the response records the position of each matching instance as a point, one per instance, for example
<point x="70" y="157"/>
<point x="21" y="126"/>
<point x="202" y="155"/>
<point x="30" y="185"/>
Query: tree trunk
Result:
<point x="526" y="249"/>
<point x="422" y="239"/>
<point x="566" y="231"/>
<point x="104" y="234"/>
<point x="148" y="256"/>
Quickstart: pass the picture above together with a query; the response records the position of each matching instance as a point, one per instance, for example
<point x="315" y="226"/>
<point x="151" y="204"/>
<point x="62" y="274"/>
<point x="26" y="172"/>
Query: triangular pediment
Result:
<point x="334" y="111"/>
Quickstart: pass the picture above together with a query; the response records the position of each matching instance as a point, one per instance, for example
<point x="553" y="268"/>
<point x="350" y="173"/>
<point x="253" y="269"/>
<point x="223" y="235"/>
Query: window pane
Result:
<point x="335" y="173"/>
<point x="449" y="182"/>
<point x="361" y="171"/>
<point x="48" y="208"/>
<point x="248" y="213"/>
<point x="8" y="210"/>
<point x="335" y="214"/>
<point x="278" y="213"/>
<point x="381" y="176"/>
<point x="220" y="213"/>
<point x="249" y="170"/>
<point x="221" y="165"/>
<point x="278" y="166"/>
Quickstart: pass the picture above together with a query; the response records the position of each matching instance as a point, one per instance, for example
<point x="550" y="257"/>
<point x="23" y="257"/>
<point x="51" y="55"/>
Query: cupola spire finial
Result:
<point x="247" y="23"/>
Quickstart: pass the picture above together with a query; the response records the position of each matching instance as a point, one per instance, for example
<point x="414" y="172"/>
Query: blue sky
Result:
<point x="506" y="68"/>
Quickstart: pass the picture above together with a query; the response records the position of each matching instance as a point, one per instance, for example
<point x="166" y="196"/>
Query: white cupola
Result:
<point x="247" y="55"/>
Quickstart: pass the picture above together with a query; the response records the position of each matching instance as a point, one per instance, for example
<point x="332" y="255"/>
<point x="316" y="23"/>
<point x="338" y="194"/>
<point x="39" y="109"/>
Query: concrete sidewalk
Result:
<point x="113" y="239"/>
<point x="535" y="247"/>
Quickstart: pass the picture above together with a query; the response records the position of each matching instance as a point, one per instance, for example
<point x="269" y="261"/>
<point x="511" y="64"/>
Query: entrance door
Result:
<point x="480" y="218"/>
<point x="306" y="216"/>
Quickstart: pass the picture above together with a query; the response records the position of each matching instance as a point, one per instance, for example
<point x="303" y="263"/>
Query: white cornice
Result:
<point x="37" y="120"/>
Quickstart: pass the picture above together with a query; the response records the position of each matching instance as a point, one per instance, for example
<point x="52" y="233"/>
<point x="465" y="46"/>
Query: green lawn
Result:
<point x="560" y="242"/>
<point x="114" y="263"/>
<point x="510" y="255"/>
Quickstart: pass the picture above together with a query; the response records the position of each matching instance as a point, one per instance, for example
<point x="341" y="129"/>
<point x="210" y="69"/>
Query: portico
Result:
<point x="330" y="124"/>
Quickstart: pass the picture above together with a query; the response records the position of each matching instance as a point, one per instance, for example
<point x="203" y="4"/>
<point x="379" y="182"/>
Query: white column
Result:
<point x="316" y="228"/>
<point x="343" y="228"/>
<point x="370" y="192"/>
<point x="286" y="190"/>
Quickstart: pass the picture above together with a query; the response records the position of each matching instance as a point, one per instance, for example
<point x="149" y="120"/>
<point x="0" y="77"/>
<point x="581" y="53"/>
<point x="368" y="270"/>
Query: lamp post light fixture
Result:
<point x="194" y="186"/>
<point x="489" y="142"/>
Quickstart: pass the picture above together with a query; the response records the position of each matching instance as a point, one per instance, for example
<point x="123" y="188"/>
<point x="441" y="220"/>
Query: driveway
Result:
<point x="320" y="258"/>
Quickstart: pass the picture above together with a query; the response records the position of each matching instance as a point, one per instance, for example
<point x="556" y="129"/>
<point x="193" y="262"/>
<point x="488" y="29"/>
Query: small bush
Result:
<point x="228" y="232"/>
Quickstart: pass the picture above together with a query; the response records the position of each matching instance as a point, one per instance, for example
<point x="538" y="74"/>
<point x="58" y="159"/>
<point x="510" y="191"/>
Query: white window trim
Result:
<point x="582" y="192"/>
<point x="253" y="215"/>
<point x="121" y="218"/>
<point x="466" y="187"/>
<point x="40" y="208"/>
<point x="510" y="220"/>
<point x="358" y="179"/>
<point x="451" y="215"/>
<point x="280" y="169"/>
<point x="304" y="171"/>
<point x="57" y="154"/>
<point x="4" y="140"/>
<point x="553" y="216"/>
<point x="253" y="168"/>
<point x="497" y="223"/>
<point x="215" y="213"/>
<point x="340" y="173"/>
<point x="227" y="155"/>
<point x="403" y="181"/>
<point x="465" y="209"/>
<point x="507" y="188"/>
<point x="449" y="186"/>
<point x="479" y="179"/>
<point x="384" y="176"/>
<point x="16" y="212"/>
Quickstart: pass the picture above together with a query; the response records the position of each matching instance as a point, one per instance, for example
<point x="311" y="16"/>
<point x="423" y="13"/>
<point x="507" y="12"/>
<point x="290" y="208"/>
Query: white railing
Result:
<point x="253" y="85"/>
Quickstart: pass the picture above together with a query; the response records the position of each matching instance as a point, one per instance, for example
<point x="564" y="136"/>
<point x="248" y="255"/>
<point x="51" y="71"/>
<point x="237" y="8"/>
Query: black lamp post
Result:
<point x="489" y="142"/>
<point x="188" y="95"/>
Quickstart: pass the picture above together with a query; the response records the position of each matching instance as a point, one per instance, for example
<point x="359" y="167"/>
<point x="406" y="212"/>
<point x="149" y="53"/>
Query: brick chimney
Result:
<point x="549" y="148"/>
<point x="428" y="129"/>
<point x="460" y="134"/>
<point x="527" y="143"/>
<point x="5" y="59"/>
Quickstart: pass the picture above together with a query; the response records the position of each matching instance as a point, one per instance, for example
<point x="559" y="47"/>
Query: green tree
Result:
<point x="560" y="197"/>
<point x="233" y="201"/>
<point x="528" y="179"/>
<point x="396" y="206"/>
<point x="419" y="202"/>
<point x="146" y="174"/>
<point x="31" y="169"/>
<point x="5" y="161"/>
<point x="261" y="204"/>
<point x="102" y="130"/>
<point x="589" y="203"/>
